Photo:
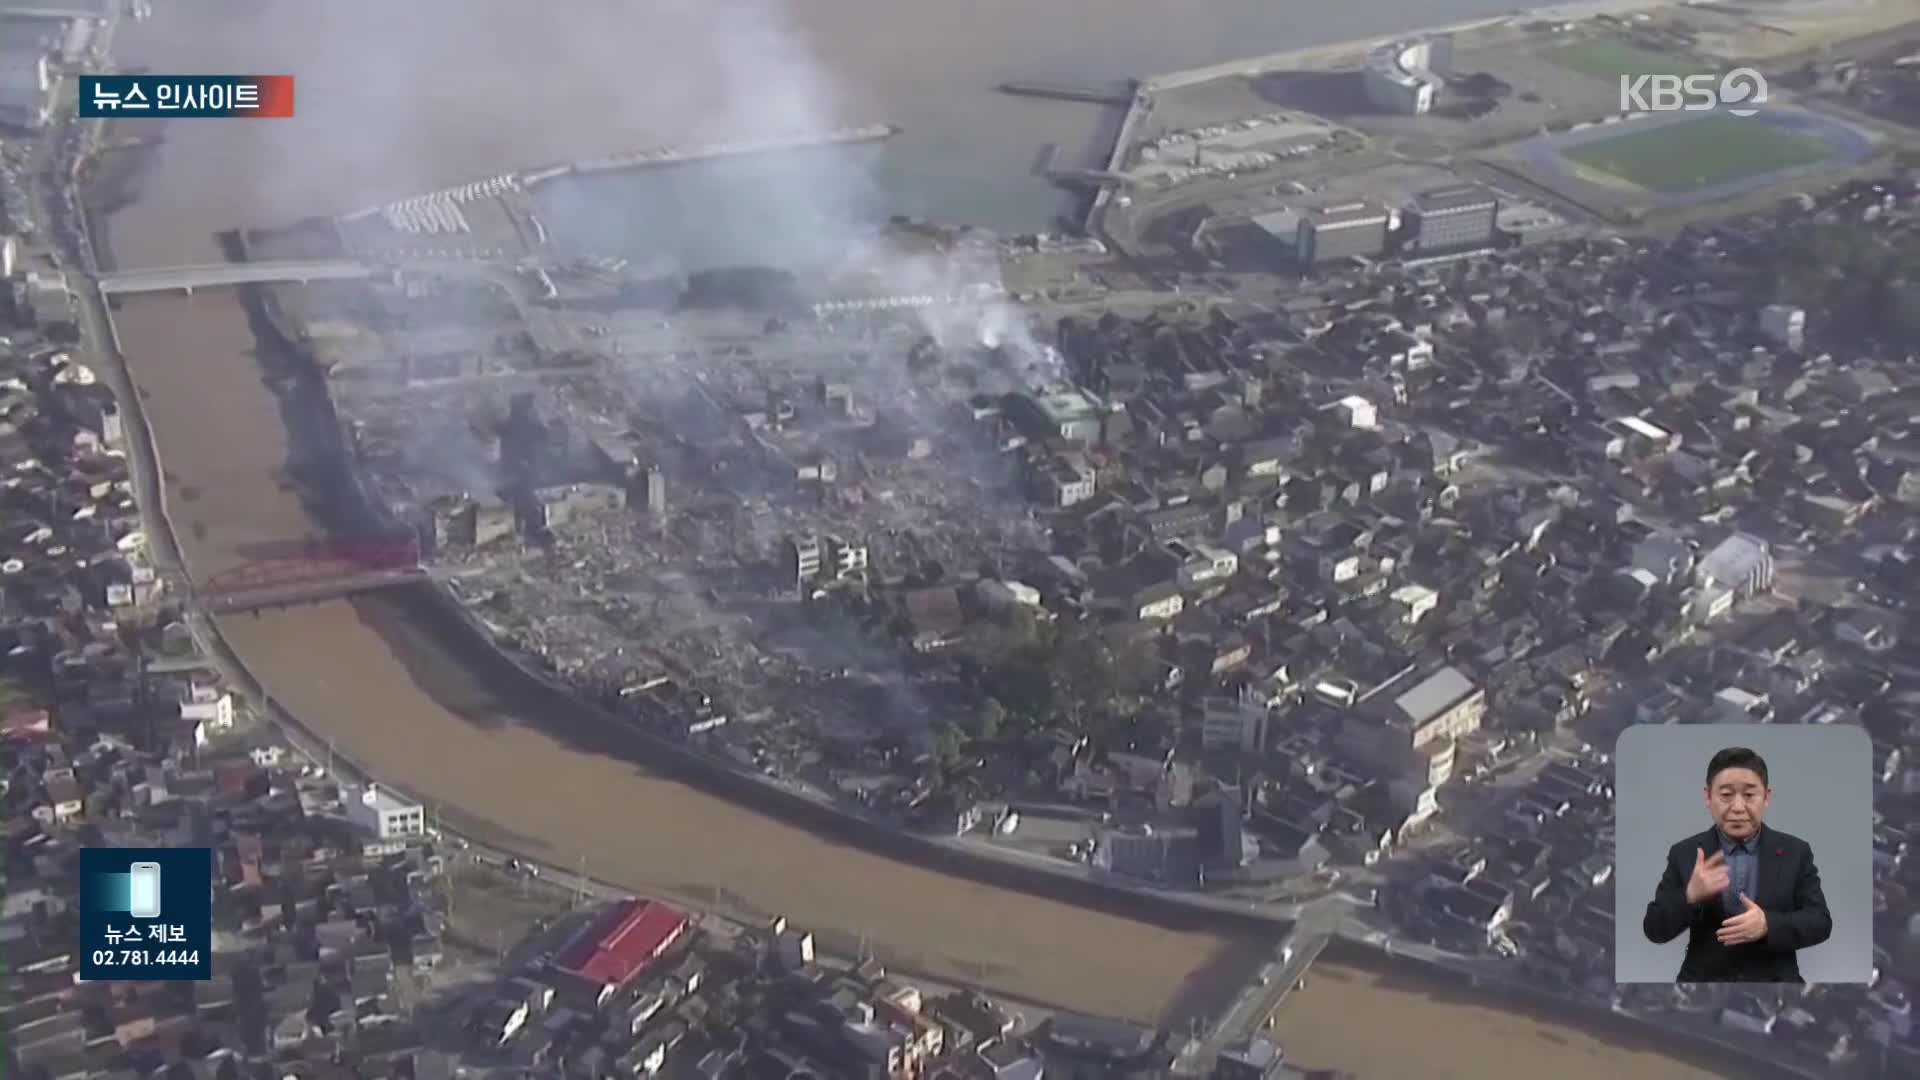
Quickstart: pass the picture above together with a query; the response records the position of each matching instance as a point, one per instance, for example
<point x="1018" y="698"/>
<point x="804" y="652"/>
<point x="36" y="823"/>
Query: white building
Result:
<point x="1415" y="602"/>
<point x="384" y="814"/>
<point x="1406" y="76"/>
<point x="1000" y="595"/>
<point x="1359" y="412"/>
<point x="210" y="706"/>
<point x="1202" y="564"/>
<point x="1742" y="563"/>
<point x="1784" y="325"/>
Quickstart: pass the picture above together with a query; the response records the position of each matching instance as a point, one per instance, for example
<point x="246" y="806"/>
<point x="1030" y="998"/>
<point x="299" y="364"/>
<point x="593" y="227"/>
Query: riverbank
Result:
<point x="1355" y="974"/>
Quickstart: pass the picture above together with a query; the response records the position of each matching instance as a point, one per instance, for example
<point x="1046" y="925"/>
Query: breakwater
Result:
<point x="1091" y="95"/>
<point x="674" y="155"/>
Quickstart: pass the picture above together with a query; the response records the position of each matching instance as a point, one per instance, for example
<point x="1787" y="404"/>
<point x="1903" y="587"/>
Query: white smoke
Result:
<point x="770" y="82"/>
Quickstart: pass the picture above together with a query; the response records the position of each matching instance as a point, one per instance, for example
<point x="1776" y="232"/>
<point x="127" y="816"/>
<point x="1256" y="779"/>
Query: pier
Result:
<point x="673" y="155"/>
<point x="1120" y="95"/>
<point x="1099" y="179"/>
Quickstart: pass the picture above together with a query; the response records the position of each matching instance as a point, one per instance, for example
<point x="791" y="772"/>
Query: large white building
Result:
<point x="384" y="814"/>
<point x="1405" y="76"/>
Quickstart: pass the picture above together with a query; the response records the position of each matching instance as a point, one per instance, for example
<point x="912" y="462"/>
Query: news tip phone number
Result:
<point x="145" y="957"/>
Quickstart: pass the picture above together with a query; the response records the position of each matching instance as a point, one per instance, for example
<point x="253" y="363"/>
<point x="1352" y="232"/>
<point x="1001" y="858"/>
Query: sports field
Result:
<point x="1608" y="58"/>
<point x="1695" y="154"/>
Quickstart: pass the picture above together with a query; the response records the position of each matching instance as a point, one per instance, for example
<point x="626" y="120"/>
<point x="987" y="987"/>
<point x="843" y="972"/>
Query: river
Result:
<point x="396" y="98"/>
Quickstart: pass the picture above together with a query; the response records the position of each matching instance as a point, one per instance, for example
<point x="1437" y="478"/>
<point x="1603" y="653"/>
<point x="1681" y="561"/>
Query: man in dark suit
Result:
<point x="1747" y="896"/>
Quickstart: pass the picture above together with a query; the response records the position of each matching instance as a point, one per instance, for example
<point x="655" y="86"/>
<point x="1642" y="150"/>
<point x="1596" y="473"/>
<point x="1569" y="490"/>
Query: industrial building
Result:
<point x="1452" y="219"/>
<point x="1406" y="76"/>
<point x="1354" y="230"/>
<point x="620" y="944"/>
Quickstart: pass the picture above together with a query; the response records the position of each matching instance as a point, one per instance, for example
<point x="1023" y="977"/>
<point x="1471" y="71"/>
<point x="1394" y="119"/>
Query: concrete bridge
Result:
<point x="260" y="597"/>
<point x="189" y="278"/>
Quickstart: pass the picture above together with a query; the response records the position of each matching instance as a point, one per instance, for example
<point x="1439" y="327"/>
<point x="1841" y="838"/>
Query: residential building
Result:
<point x="1414" y="602"/>
<point x="1360" y="413"/>
<point x="1741" y="564"/>
<point x="1234" y="724"/>
<point x="1444" y="705"/>
<point x="1064" y="482"/>
<point x="1784" y="325"/>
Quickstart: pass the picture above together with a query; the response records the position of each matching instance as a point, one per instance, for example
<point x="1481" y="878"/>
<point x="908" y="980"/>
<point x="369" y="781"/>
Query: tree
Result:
<point x="1095" y="682"/>
<point x="988" y="719"/>
<point x="948" y="741"/>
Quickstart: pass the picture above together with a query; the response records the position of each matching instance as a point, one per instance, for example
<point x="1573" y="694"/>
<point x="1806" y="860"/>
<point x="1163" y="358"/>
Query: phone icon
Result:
<point x="144" y="892"/>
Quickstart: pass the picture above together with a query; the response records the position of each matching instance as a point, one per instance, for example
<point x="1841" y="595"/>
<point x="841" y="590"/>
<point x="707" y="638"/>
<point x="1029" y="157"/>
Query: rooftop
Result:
<point x="1065" y="405"/>
<point x="1463" y="197"/>
<point x="1434" y="694"/>
<point x="1349" y="214"/>
<point x="385" y="801"/>
<point x="615" y="947"/>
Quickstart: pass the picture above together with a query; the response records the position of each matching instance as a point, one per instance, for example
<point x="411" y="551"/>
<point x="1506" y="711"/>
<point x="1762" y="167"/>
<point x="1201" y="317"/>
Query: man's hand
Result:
<point x="1749" y="925"/>
<point x="1709" y="877"/>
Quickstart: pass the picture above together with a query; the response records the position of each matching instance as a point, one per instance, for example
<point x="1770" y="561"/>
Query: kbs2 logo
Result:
<point x="1740" y="92"/>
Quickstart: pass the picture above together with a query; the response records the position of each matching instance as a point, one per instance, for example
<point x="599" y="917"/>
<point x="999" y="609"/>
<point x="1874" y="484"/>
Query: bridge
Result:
<point x="1317" y="924"/>
<point x="189" y="278"/>
<point x="283" y="575"/>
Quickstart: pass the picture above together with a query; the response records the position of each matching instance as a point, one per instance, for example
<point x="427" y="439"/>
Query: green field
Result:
<point x="1682" y="157"/>
<point x="1608" y="58"/>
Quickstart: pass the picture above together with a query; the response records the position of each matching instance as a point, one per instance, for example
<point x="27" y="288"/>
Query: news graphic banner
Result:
<point x="146" y="913"/>
<point x="198" y="96"/>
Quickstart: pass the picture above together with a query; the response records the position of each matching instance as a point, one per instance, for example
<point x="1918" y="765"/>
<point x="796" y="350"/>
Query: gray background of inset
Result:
<point x="1822" y="780"/>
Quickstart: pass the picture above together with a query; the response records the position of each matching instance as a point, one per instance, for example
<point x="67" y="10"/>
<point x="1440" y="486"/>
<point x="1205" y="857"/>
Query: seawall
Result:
<point x="668" y="155"/>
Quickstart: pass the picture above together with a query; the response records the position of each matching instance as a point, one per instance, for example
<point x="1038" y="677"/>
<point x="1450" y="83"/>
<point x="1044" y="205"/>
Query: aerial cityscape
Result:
<point x="797" y="538"/>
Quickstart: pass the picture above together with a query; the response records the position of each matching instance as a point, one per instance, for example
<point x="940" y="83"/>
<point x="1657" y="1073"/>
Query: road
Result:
<point x="1315" y="924"/>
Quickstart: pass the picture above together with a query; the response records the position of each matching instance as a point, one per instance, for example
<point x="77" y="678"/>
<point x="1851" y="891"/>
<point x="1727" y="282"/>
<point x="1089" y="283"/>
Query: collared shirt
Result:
<point x="1743" y="865"/>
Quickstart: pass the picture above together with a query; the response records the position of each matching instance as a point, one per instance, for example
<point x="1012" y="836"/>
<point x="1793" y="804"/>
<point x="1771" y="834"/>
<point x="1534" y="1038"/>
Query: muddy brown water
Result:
<point x="1415" y="1032"/>
<point x="395" y="99"/>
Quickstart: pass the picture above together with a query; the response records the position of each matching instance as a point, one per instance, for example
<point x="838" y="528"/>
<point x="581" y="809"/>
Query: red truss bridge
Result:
<point x="309" y="572"/>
